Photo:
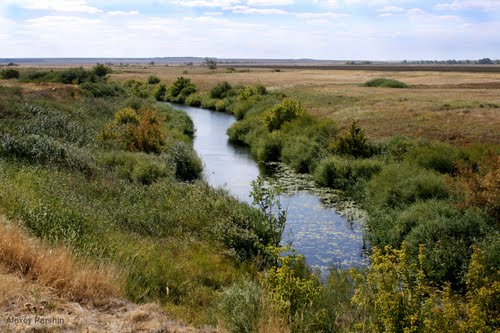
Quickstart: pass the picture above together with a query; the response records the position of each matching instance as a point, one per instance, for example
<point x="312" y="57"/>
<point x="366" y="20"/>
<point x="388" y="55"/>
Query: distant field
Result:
<point x="456" y="107"/>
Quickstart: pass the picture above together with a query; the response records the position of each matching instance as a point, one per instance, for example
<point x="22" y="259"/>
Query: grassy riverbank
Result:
<point x="104" y="170"/>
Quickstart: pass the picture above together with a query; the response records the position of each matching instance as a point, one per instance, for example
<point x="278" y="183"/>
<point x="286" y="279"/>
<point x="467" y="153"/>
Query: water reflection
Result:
<point x="321" y="225"/>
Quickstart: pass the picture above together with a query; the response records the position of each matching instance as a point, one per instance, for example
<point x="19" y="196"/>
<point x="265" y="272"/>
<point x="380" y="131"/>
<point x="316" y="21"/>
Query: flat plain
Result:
<point x="456" y="107"/>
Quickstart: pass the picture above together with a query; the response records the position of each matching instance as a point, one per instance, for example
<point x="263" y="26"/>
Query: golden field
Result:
<point x="456" y="107"/>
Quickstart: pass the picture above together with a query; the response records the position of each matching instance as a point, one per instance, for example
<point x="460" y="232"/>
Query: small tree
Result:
<point x="211" y="63"/>
<point x="101" y="70"/>
<point x="10" y="73"/>
<point x="352" y="142"/>
<point x="180" y="89"/>
<point x="153" y="79"/>
<point x="287" y="110"/>
<point x="220" y="90"/>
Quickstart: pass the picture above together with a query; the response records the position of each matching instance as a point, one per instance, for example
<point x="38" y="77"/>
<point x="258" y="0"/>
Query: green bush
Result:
<point x="286" y="111"/>
<point x="178" y="120"/>
<point x="238" y="307"/>
<point x="160" y="92"/>
<point x="301" y="153"/>
<point x="10" y="73"/>
<point x="137" y="88"/>
<point x="352" y="142"/>
<point x="438" y="157"/>
<point x="44" y="150"/>
<point x="101" y="70"/>
<point x="221" y="90"/>
<point x="220" y="105"/>
<point x="179" y="90"/>
<point x="268" y="148"/>
<point x="101" y="89"/>
<point x="194" y="100"/>
<point x="139" y="167"/>
<point x="153" y="79"/>
<point x="241" y="108"/>
<point x="400" y="185"/>
<point x="385" y="83"/>
<point x="448" y="236"/>
<point x="341" y="173"/>
<point x="208" y="103"/>
<point x="240" y="131"/>
<point x="396" y="148"/>
<point x="188" y="165"/>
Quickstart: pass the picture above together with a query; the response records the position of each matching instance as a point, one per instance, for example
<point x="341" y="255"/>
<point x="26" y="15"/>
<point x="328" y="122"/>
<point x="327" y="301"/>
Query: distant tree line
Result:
<point x="484" y="61"/>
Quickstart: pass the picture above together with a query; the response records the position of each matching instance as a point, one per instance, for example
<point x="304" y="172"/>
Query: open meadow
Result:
<point x="455" y="107"/>
<point x="96" y="170"/>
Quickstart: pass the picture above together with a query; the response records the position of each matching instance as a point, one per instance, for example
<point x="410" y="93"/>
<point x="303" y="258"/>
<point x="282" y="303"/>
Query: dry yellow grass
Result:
<point x="456" y="107"/>
<point x="38" y="282"/>
<point x="56" y="267"/>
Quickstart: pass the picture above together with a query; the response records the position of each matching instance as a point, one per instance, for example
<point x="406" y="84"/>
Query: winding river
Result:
<point x="321" y="225"/>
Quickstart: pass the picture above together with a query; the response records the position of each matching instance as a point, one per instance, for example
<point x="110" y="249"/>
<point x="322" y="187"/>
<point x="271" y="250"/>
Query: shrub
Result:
<point x="188" y="165"/>
<point x="101" y="89"/>
<point x="137" y="88"/>
<point x="301" y="153"/>
<point x="208" y="103"/>
<point x="294" y="290"/>
<point x="75" y="76"/>
<point x="220" y="105"/>
<point x="44" y="150"/>
<point x="135" y="132"/>
<point x="400" y="185"/>
<point x="448" y="236"/>
<point x="352" y="142"/>
<point x="268" y="147"/>
<point x="239" y="132"/>
<point x="153" y="79"/>
<point x="221" y="90"/>
<point x="438" y="157"/>
<point x="139" y="167"/>
<point x="385" y="83"/>
<point x="194" y="100"/>
<point x="397" y="147"/>
<point x="160" y="92"/>
<point x="286" y="111"/>
<point x="342" y="173"/>
<point x="101" y="70"/>
<point x="10" y="73"/>
<point x="178" y="120"/>
<point x="180" y="89"/>
<point x="241" y="108"/>
<point x="238" y="307"/>
<point x="260" y="89"/>
<point x="480" y="188"/>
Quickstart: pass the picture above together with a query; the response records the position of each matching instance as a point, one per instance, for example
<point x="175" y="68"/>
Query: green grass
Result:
<point x="130" y="208"/>
<point x="385" y="83"/>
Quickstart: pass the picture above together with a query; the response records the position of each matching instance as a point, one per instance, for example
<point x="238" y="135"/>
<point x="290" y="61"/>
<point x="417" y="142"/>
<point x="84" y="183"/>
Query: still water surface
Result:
<point x="315" y="226"/>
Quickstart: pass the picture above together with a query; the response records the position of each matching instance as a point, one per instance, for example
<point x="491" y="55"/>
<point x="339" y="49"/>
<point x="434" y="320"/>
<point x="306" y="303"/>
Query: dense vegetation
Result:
<point x="385" y="83"/>
<point x="416" y="192"/>
<point x="117" y="180"/>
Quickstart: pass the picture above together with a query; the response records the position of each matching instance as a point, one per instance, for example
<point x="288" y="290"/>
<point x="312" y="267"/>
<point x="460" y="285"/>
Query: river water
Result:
<point x="321" y="225"/>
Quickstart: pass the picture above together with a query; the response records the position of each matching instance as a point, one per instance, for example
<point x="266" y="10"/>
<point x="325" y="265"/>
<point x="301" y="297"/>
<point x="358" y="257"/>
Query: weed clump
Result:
<point x="385" y="83"/>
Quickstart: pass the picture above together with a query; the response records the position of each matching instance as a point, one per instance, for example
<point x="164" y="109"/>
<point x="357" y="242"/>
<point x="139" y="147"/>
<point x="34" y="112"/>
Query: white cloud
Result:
<point x="468" y="4"/>
<point x="67" y="6"/>
<point x="207" y="3"/>
<point x="390" y="9"/>
<point x="123" y="13"/>
<point x="270" y="2"/>
<point x="317" y="16"/>
<point x="260" y="11"/>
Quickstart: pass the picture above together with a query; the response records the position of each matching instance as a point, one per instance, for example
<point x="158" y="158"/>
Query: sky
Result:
<point x="267" y="29"/>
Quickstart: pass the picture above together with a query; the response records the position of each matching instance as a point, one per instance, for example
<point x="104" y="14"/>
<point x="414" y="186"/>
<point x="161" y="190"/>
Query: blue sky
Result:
<point x="320" y="29"/>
